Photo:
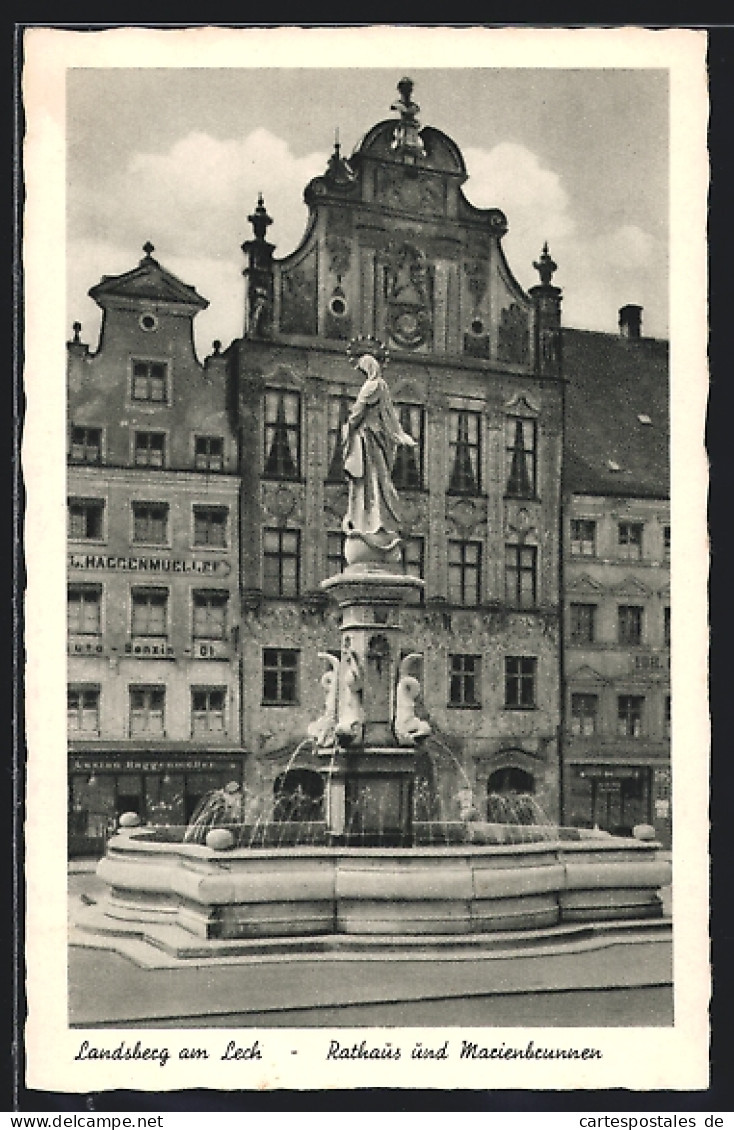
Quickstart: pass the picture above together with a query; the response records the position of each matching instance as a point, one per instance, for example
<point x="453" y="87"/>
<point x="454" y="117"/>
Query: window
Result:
<point x="465" y="572"/>
<point x="667" y="718"/>
<point x="84" y="610"/>
<point x="629" y="715"/>
<point x="150" y="381"/>
<point x="520" y="677"/>
<point x="521" y="575"/>
<point x="666" y="543"/>
<point x="412" y="552"/>
<point x="280" y="676"/>
<point x="629" y="540"/>
<point x="281" y="562"/>
<point x="339" y="407"/>
<point x="147" y="711"/>
<point x="335" y="559"/>
<point x="210" y="615"/>
<point x="583" y="537"/>
<point x="86" y="519"/>
<point x="207" y="710"/>
<point x="583" y="623"/>
<point x="520" y="439"/>
<point x="666" y="626"/>
<point x="407" y="473"/>
<point x="86" y="445"/>
<point x="282" y="435"/>
<point x="210" y="526"/>
<point x="82" y="710"/>
<point x="150" y="449"/>
<point x="150" y="523"/>
<point x="584" y="709"/>
<point x="464" y="680"/>
<point x="208" y="453"/>
<point x="149" y="612"/>
<point x="465" y="452"/>
<point x="629" y="624"/>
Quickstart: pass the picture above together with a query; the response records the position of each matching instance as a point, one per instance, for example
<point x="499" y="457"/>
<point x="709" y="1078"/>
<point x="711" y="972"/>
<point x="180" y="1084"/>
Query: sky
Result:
<point x="177" y="156"/>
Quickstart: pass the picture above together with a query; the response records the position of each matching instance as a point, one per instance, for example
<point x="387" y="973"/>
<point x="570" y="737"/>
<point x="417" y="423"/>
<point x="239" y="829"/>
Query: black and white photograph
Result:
<point x="366" y="378"/>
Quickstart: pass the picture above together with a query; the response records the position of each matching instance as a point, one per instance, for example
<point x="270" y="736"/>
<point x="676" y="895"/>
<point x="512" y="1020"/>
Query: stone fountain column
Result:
<point x="370" y="772"/>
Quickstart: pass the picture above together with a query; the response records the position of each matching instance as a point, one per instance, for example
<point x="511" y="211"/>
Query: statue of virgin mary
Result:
<point x="370" y="439"/>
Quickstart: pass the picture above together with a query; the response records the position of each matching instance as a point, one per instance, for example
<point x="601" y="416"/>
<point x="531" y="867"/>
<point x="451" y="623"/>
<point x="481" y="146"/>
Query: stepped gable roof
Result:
<point x="149" y="280"/>
<point x="617" y="415"/>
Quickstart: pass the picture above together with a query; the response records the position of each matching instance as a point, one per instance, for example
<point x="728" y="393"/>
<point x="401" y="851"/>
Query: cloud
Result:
<point x="195" y="198"/>
<point x="511" y="177"/>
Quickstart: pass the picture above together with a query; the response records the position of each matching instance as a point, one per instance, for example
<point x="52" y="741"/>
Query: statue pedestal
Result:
<point x="370" y="774"/>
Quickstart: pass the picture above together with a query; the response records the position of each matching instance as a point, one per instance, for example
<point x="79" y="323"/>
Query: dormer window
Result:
<point x="150" y="381"/>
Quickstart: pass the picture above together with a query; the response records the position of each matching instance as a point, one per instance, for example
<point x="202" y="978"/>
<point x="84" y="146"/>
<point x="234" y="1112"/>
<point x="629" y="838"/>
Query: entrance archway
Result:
<point x="298" y="795"/>
<point x="510" y="796"/>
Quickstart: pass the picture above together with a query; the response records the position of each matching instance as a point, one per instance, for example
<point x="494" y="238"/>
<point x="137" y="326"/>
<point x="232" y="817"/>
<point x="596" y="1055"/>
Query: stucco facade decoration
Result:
<point x="153" y="568"/>
<point x="394" y="250"/>
<point x="617" y="616"/>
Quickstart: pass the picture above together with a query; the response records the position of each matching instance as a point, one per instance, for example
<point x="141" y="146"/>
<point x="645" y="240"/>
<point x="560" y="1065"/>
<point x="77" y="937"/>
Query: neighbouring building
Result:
<point x="154" y="711"/>
<point x="616" y="570"/>
<point x="394" y="249"/>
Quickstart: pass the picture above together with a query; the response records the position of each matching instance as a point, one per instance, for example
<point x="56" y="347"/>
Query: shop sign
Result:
<point x="126" y="564"/>
<point x="211" y="651"/>
<point x="119" y="763"/>
<point x="611" y="772"/>
<point x="652" y="664"/>
<point x="85" y="647"/>
<point x="149" y="650"/>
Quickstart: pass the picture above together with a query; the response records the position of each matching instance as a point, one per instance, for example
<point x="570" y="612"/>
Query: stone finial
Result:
<point x="148" y="248"/>
<point x="545" y="266"/>
<point x="406" y="138"/>
<point x="77" y="328"/>
<point x="216" y="346"/>
<point x="260" y="219"/>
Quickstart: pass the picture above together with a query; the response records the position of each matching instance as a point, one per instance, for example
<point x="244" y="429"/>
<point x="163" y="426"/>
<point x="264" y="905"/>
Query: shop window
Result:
<point x="82" y="710"/>
<point x="629" y="624"/>
<point x="521" y="575"/>
<point x="84" y="610"/>
<point x="150" y="449"/>
<point x="150" y="381"/>
<point x="210" y="615"/>
<point x="629" y="715"/>
<point x="210" y="526"/>
<point x="464" y="452"/>
<point x="282" y="435"/>
<point x="583" y="537"/>
<point x="584" y="711"/>
<point x="520" y="682"/>
<point x="666" y="543"/>
<point x="666" y="625"/>
<point x="150" y="523"/>
<point x="629" y="540"/>
<point x="407" y="473"/>
<point x="583" y="623"/>
<point x="207" y="711"/>
<point x="667" y="717"/>
<point x="520" y="448"/>
<point x="412" y="553"/>
<point x="464" y="680"/>
<point x="86" y="519"/>
<point x="147" y="712"/>
<point x="149" y="612"/>
<point x="465" y="572"/>
<point x="208" y="453"/>
<point x="86" y="445"/>
<point x="280" y="676"/>
<point x="335" y="560"/>
<point x="281" y="562"/>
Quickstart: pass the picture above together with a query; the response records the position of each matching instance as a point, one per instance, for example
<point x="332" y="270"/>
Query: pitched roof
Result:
<point x="148" y="280"/>
<point x="617" y="415"/>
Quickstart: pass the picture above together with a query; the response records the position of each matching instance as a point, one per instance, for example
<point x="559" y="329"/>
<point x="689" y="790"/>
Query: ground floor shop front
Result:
<point x="161" y="787"/>
<point x="618" y="796"/>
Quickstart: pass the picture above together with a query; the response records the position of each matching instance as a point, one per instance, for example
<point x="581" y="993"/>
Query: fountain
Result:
<point x="379" y="862"/>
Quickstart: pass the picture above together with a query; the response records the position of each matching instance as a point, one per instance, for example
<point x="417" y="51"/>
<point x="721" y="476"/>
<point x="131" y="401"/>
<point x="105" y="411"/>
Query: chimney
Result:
<point x="630" y="320"/>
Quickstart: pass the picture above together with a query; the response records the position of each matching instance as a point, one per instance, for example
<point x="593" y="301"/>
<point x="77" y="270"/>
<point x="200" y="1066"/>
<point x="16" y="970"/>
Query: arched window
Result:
<point x="510" y="797"/>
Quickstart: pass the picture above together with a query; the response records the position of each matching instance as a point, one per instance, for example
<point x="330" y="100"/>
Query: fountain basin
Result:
<point x="459" y="889"/>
